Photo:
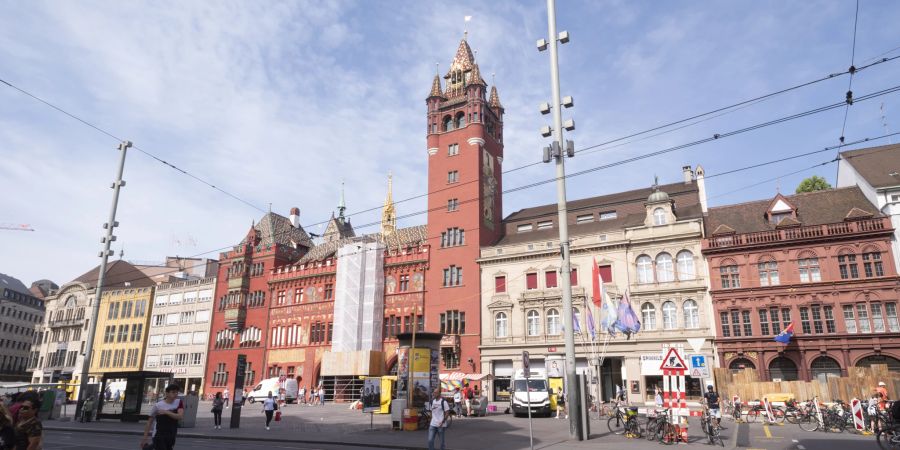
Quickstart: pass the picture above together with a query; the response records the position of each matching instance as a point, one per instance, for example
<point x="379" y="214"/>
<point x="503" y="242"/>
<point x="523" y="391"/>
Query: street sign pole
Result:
<point x="526" y="365"/>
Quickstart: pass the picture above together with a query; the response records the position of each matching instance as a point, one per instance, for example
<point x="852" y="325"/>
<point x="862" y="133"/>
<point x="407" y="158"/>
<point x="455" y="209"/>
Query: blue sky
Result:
<point x="277" y="102"/>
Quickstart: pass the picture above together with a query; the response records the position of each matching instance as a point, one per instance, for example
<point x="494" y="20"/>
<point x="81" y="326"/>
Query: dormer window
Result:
<point x="659" y="216"/>
<point x="776" y="218"/>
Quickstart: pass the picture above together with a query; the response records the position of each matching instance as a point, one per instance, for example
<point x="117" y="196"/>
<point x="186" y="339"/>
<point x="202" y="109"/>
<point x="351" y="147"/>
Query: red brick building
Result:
<point x="821" y="260"/>
<point x="465" y="153"/>
<point x="321" y="311"/>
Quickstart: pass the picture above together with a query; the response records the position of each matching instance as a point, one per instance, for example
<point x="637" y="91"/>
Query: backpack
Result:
<point x="895" y="410"/>
<point x="470" y="394"/>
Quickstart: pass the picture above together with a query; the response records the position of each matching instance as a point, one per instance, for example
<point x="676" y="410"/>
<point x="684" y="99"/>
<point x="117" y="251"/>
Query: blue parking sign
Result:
<point x="698" y="361"/>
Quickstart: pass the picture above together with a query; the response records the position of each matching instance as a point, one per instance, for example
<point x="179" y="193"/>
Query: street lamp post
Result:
<point x="557" y="151"/>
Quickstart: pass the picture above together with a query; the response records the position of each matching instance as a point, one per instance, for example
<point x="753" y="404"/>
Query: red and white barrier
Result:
<point x="856" y="409"/>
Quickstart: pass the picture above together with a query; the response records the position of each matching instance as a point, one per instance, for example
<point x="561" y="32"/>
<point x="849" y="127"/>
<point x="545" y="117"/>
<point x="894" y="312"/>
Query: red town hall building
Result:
<point x="821" y="260"/>
<point x="328" y="312"/>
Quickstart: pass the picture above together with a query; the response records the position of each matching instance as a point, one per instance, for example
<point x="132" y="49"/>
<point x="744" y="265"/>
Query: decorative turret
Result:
<point x="388" y="213"/>
<point x="460" y="71"/>
<point x="436" y="87"/>
<point x="494" y="101"/>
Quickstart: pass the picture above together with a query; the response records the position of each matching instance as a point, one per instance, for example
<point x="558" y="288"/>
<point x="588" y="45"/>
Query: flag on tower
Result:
<point x="786" y="334"/>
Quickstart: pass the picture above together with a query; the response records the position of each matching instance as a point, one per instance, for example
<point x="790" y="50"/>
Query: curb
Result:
<point x="239" y="438"/>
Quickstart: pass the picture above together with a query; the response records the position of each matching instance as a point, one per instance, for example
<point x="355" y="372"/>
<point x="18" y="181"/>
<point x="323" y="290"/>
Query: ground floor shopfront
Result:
<point x="632" y="366"/>
<point x="810" y="358"/>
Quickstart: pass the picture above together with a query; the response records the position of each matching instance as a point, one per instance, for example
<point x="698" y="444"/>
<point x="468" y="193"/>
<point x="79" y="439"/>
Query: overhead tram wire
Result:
<point x="728" y="172"/>
<point x="852" y="71"/>
<point x="119" y="139"/>
<point x="775" y="178"/>
<point x="719" y="111"/>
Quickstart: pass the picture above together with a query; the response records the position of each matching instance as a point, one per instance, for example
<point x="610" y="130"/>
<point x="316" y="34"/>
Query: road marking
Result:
<point x="768" y="433"/>
<point x="800" y="447"/>
<point x="794" y="441"/>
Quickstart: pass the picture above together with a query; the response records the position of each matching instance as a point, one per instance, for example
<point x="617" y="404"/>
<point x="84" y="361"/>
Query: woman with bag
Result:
<point x="218" y="404"/>
<point x="269" y="407"/>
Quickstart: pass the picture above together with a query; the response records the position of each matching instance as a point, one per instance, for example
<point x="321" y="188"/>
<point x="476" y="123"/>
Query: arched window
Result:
<point x="648" y="316"/>
<point x="500" y="321"/>
<point x="659" y="216"/>
<point x="670" y="313"/>
<point x="768" y="272"/>
<point x="644" y="269"/>
<point x="448" y="123"/>
<point x="534" y="323"/>
<point x="823" y="366"/>
<point x="893" y="364"/>
<point x="808" y="264"/>
<point x="783" y="369"/>
<point x="553" y="322"/>
<point x="740" y="364"/>
<point x="685" y="265"/>
<point x="665" y="272"/>
<point x="460" y="120"/>
<point x="71" y="301"/>
<point x="691" y="314"/>
<point x="847" y="265"/>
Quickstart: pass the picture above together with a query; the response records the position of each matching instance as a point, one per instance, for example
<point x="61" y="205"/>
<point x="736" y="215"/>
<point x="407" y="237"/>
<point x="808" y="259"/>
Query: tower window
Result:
<point x="453" y="149"/>
<point x="453" y="204"/>
<point x="453" y="176"/>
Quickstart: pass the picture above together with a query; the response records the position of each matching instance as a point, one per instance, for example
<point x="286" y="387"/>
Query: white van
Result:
<point x="261" y="391"/>
<point x="532" y="393"/>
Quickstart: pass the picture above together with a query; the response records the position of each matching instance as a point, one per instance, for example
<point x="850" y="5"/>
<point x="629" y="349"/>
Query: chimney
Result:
<point x="688" y="174"/>
<point x="701" y="187"/>
<point x="295" y="217"/>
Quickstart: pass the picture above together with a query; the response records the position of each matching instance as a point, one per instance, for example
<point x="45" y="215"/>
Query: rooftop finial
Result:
<point x="342" y="205"/>
<point x="655" y="182"/>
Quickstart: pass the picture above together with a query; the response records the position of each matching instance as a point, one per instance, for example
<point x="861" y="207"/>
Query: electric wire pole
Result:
<point x="558" y="150"/>
<point x="101" y="277"/>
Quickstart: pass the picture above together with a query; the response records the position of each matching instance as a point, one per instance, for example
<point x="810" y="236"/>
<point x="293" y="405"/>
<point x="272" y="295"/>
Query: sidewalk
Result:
<point x="335" y="424"/>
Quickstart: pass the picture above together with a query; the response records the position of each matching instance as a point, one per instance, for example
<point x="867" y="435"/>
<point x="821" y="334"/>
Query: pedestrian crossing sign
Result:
<point x="673" y="361"/>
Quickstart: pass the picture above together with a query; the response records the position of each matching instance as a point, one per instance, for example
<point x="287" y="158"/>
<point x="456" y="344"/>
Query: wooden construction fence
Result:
<point x="859" y="383"/>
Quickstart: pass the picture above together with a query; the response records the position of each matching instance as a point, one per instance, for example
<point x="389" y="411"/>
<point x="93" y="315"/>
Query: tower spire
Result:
<point x="388" y="213"/>
<point x="342" y="205"/>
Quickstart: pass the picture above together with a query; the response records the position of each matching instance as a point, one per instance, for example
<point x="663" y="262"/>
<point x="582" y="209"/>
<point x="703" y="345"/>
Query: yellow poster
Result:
<point x="421" y="364"/>
<point x="556" y="385"/>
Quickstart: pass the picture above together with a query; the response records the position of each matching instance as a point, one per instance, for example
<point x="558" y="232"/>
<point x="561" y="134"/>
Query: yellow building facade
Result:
<point x="121" y="335"/>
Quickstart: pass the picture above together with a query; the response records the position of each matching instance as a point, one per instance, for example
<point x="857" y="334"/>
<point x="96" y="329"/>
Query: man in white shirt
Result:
<point x="439" y="412"/>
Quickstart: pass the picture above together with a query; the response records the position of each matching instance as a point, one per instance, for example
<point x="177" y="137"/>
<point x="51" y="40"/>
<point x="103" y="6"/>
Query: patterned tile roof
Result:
<point x="475" y="76"/>
<point x="495" y="98"/>
<point x="275" y="228"/>
<point x="464" y="60"/>
<point x="401" y="238"/>
<point x="436" y="87"/>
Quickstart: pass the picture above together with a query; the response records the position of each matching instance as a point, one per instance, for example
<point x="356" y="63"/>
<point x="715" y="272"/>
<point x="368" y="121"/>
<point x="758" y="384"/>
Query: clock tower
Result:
<point x="465" y="153"/>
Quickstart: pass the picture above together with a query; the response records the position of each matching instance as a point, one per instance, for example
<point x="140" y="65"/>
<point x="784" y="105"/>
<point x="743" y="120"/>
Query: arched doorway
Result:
<point x="892" y="363"/>
<point x="783" y="369"/>
<point x="823" y="366"/>
<point x="740" y="364"/>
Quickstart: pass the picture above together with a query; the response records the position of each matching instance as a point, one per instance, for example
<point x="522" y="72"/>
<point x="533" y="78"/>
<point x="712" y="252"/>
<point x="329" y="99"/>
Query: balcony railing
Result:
<point x="239" y="283"/>
<point x="235" y="316"/>
<point x="66" y="322"/>
<point x="798" y="233"/>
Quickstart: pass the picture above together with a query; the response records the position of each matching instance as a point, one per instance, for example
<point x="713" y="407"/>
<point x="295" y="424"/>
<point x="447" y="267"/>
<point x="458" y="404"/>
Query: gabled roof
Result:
<point x="629" y="207"/>
<point x="338" y="228"/>
<point x="275" y="228"/>
<point x="118" y="273"/>
<point x="812" y="208"/>
<point x="880" y="166"/>
<point x="400" y="238"/>
<point x="14" y="284"/>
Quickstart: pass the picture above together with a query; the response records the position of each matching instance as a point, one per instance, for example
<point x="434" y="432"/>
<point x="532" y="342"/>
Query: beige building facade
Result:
<point x="645" y="242"/>
<point x="121" y="334"/>
<point x="179" y="331"/>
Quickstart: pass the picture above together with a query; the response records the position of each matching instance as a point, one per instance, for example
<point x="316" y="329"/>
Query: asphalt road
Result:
<point x="55" y="440"/>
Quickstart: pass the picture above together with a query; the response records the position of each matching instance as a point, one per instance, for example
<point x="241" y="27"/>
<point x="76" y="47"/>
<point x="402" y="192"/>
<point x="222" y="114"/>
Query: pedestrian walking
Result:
<point x="225" y="396"/>
<point x="322" y="394"/>
<point x="29" y="433"/>
<point x="301" y="396"/>
<point x="439" y="412"/>
<point x="218" y="404"/>
<point x="7" y="431"/>
<point x="87" y="410"/>
<point x="269" y="407"/>
<point x="457" y="402"/>
<point x="162" y="424"/>
<point x="470" y="395"/>
<point x="561" y="405"/>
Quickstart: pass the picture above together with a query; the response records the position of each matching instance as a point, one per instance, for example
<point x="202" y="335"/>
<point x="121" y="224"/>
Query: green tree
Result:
<point x="812" y="184"/>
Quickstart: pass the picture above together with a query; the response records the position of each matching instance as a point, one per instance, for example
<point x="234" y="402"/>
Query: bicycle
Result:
<point x="887" y="432"/>
<point x="632" y="426"/>
<point x="756" y="410"/>
<point x="425" y="419"/>
<point x="711" y="431"/>
<point x="616" y="422"/>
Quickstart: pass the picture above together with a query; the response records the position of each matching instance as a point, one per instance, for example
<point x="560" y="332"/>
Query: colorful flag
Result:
<point x="610" y="312"/>
<point x="590" y="324"/>
<point x="598" y="293"/>
<point x="576" y="325"/>
<point x="786" y="334"/>
<point x="628" y="321"/>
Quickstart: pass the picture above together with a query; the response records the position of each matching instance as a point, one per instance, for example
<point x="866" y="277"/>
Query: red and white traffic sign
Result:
<point x="673" y="361"/>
